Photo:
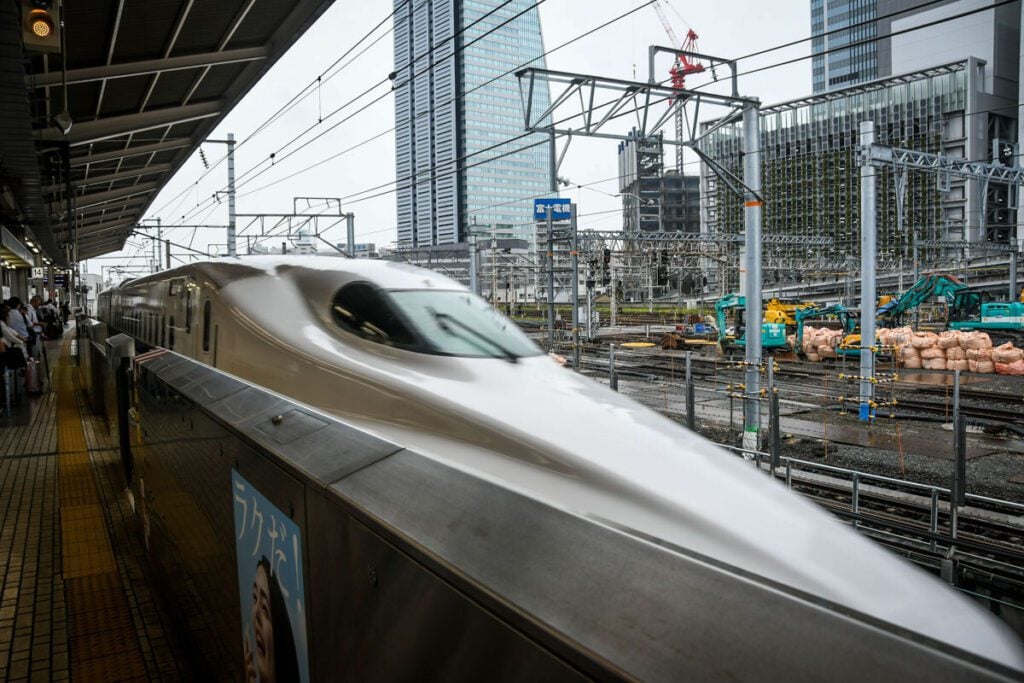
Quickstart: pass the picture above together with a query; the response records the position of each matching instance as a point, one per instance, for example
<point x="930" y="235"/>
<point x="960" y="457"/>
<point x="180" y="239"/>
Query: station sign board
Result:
<point x="561" y="209"/>
<point x="38" y="272"/>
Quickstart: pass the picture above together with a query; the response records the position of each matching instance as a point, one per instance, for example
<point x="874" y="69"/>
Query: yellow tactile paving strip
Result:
<point x="103" y="641"/>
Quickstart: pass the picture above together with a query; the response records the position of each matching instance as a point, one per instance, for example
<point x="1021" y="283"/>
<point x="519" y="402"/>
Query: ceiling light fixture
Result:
<point x="40" y="23"/>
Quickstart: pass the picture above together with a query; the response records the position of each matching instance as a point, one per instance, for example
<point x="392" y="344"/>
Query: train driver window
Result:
<point x="206" y="325"/>
<point x="458" y="323"/>
<point x="363" y="309"/>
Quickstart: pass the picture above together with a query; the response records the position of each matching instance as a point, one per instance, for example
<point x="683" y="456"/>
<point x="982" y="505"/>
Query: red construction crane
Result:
<point x="680" y="68"/>
<point x="682" y="65"/>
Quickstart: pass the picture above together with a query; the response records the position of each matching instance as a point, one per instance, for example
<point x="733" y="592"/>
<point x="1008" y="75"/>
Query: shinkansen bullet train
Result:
<point x="413" y="357"/>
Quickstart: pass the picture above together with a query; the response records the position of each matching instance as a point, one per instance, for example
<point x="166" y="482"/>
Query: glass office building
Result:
<point x="840" y="58"/>
<point x="460" y="142"/>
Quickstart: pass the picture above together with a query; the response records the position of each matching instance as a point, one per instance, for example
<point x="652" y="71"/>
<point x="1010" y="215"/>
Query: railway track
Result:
<point x="989" y="538"/>
<point x="915" y="520"/>
<point x="818" y="383"/>
<point x="984" y="548"/>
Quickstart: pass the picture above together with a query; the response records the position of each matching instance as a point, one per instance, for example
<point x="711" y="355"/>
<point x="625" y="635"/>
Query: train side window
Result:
<point x="163" y="330"/>
<point x="362" y="309"/>
<point x="170" y="335"/>
<point x="188" y="309"/>
<point x="206" y="325"/>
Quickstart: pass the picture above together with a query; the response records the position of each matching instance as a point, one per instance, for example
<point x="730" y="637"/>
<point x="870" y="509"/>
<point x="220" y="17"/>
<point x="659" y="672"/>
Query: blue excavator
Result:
<point x="847" y="319"/>
<point x="967" y="309"/>
<point x="773" y="335"/>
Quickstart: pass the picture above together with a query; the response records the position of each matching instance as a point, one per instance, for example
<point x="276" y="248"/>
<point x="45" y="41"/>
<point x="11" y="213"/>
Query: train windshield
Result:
<point x="461" y="324"/>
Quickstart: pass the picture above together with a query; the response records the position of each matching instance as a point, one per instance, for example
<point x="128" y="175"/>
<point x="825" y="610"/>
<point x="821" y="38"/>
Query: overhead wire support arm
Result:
<point x="589" y="120"/>
<point x="697" y="237"/>
<point x="653" y="50"/>
<point x="978" y="246"/>
<point x="878" y="154"/>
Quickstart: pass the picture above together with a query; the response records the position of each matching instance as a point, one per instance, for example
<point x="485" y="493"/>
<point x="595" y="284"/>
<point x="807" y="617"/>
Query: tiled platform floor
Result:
<point x="75" y="595"/>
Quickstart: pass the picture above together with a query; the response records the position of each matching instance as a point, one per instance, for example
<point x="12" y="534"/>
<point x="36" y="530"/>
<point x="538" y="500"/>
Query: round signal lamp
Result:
<point x="40" y="24"/>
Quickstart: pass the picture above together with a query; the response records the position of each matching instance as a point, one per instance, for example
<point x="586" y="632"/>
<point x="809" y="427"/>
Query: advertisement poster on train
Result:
<point x="269" y="551"/>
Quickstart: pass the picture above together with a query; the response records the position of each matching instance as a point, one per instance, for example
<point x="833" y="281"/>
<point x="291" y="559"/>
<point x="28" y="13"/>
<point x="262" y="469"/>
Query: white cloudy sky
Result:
<point x="727" y="28"/>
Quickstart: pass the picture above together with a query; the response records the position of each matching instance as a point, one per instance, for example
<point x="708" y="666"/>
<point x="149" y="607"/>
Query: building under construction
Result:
<point x="811" y="172"/>
<point x="655" y="199"/>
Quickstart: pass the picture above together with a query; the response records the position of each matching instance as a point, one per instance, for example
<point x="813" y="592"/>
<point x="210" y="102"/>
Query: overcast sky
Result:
<point x="727" y="28"/>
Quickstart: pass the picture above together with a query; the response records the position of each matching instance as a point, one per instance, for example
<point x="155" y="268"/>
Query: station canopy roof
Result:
<point x="146" y="81"/>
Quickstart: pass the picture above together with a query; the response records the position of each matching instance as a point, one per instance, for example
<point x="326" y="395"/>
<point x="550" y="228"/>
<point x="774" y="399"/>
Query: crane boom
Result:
<point x="665" y="23"/>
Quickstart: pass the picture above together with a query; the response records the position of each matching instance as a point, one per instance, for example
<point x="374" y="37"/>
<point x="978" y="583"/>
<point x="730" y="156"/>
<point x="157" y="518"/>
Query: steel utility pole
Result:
<point x="613" y="299"/>
<point x="752" y="264"/>
<point x="474" y="283"/>
<point x="230" y="142"/>
<point x="867" y="272"/>
<point x="350" y="234"/>
<point x="551" y="280"/>
<point x="575" y="258"/>
<point x="494" y="264"/>
<point x="232" y="251"/>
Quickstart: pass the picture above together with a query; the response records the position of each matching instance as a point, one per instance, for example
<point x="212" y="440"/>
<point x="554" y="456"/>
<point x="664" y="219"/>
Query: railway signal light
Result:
<point x="40" y="25"/>
<point x="1004" y="152"/>
<point x="607" y="255"/>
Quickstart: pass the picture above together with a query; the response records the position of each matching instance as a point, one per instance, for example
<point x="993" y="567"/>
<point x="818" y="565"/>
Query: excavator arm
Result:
<point x="939" y="284"/>
<point x="723" y="305"/>
<point x="809" y="312"/>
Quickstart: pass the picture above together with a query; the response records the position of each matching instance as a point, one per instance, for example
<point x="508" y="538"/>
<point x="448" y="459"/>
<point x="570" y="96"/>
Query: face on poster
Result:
<point x="270" y="590"/>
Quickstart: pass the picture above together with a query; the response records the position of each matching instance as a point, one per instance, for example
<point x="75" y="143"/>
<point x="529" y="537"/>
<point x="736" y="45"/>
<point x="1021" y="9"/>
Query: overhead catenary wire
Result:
<point x="484" y="84"/>
<point x="746" y="56"/>
<point x="760" y="52"/>
<point x="488" y="82"/>
<point x="302" y="94"/>
<point x="241" y="180"/>
<point x="308" y="88"/>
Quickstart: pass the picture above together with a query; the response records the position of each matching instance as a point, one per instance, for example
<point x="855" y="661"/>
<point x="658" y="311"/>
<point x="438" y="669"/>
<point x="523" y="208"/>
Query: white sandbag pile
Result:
<point x="951" y="350"/>
<point x="964" y="351"/>
<point x="895" y="337"/>
<point x="820" y="342"/>
<point x="1008" y="360"/>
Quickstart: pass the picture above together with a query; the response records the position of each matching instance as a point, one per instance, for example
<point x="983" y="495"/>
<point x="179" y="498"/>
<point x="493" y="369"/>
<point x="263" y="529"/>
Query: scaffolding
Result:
<point x="810" y="171"/>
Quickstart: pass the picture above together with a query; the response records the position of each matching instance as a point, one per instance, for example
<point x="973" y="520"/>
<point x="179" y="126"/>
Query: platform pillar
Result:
<point x="867" y="271"/>
<point x="751" y="274"/>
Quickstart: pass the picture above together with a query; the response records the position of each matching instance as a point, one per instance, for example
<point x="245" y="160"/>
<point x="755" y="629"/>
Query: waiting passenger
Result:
<point x="12" y="340"/>
<point x="17" y="320"/>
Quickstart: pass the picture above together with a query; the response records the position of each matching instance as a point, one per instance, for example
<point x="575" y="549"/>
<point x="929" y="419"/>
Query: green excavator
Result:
<point x="773" y="335"/>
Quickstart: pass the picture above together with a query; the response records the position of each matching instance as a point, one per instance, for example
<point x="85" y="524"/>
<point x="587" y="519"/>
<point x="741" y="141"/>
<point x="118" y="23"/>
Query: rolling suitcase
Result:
<point x="32" y="376"/>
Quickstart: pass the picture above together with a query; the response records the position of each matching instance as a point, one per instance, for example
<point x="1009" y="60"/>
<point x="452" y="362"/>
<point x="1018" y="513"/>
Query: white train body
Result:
<point x="533" y="427"/>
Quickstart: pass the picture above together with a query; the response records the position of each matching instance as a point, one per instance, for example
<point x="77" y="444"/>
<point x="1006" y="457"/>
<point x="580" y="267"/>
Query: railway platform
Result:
<point x="76" y="601"/>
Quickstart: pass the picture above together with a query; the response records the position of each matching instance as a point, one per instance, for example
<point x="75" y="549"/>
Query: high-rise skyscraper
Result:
<point x="855" y="41"/>
<point x="458" y="116"/>
<point x="837" y="60"/>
